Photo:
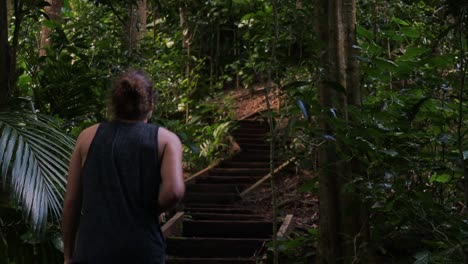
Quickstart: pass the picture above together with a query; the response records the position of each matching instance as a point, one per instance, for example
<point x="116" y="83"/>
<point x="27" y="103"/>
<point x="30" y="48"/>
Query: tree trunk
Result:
<point x="5" y="88"/>
<point x="54" y="11"/>
<point x="8" y="4"/>
<point x="135" y="26"/>
<point x="340" y="210"/>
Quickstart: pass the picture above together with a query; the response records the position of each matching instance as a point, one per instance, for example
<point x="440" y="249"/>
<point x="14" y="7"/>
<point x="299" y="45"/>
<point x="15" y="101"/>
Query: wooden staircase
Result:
<point x="216" y="227"/>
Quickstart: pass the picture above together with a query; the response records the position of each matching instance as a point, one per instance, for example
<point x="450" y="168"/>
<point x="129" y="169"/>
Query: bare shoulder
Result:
<point x="168" y="137"/>
<point x="84" y="141"/>
<point x="87" y="134"/>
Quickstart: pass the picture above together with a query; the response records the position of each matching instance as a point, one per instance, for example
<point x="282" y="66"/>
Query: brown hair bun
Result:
<point x="132" y="95"/>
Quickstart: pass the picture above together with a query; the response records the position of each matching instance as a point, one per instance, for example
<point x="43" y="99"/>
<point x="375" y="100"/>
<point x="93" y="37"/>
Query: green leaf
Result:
<point x="441" y="178"/>
<point x="308" y="186"/>
<point x="410" y="32"/>
<point x="442" y="61"/>
<point x="398" y="38"/>
<point x="34" y="159"/>
<point x="400" y="21"/>
<point x="247" y="17"/>
<point x="51" y="24"/>
<point x="413" y="52"/>
<point x="465" y="155"/>
<point x="313" y="231"/>
<point x="364" y="32"/>
<point x="383" y="63"/>
<point x="390" y="152"/>
<point x="304" y="108"/>
<point x="422" y="257"/>
<point x="240" y="2"/>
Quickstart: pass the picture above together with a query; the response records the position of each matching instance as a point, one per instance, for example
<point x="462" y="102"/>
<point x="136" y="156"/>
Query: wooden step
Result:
<point x="179" y="260"/>
<point x="251" y="130"/>
<point x="264" y="145"/>
<point x="212" y="205"/>
<point x="241" y="134"/>
<point x="218" y="210"/>
<point x="224" y="216"/>
<point x="249" y="140"/>
<point x="219" y="198"/>
<point x="261" y="152"/>
<point x="244" y="164"/>
<point x="215" y="188"/>
<point x="227" y="229"/>
<point x="196" y="247"/>
<point x="253" y="124"/>
<point x="252" y="157"/>
<point x="229" y="179"/>
<point x="239" y="171"/>
<point x="216" y="228"/>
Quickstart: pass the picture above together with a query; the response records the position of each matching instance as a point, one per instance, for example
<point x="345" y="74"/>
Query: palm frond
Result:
<point x="34" y="157"/>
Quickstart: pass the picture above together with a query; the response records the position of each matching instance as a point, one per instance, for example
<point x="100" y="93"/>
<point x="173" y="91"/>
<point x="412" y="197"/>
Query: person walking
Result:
<point x="122" y="175"/>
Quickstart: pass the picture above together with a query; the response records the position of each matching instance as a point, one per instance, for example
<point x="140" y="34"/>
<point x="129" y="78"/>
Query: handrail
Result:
<point x="266" y="177"/>
<point x="173" y="227"/>
<point x="202" y="172"/>
<point x="234" y="146"/>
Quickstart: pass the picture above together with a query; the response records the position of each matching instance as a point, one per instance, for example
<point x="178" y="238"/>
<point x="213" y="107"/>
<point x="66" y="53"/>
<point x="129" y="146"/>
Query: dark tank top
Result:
<point x="120" y="184"/>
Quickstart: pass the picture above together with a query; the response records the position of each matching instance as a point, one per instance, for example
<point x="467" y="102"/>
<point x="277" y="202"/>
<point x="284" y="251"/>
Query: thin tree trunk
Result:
<point x="4" y="54"/>
<point x="341" y="214"/>
<point x="186" y="43"/>
<point x="329" y="188"/>
<point x="357" y="227"/>
<point x="135" y="25"/>
<point x="54" y="11"/>
<point x="8" y="4"/>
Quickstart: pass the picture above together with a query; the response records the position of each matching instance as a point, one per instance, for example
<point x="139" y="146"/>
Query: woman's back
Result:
<point x="121" y="176"/>
<point x="120" y="185"/>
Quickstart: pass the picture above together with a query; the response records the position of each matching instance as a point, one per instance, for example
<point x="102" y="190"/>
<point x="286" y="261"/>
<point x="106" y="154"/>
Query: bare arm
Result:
<point x="172" y="186"/>
<point x="72" y="205"/>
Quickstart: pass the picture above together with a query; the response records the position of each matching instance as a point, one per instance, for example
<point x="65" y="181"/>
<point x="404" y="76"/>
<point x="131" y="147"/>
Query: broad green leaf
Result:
<point x="413" y="52"/>
<point x="34" y="159"/>
<point x="398" y="38"/>
<point x="247" y="17"/>
<point x="361" y="31"/>
<point x="385" y="64"/>
<point x="410" y="32"/>
<point x="441" y="178"/>
<point x="400" y="21"/>
<point x="442" y="61"/>
<point x="50" y="24"/>
<point x="405" y="67"/>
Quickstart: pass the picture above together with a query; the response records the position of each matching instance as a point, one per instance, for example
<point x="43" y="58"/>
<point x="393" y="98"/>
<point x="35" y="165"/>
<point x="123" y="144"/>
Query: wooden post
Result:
<point x="286" y="227"/>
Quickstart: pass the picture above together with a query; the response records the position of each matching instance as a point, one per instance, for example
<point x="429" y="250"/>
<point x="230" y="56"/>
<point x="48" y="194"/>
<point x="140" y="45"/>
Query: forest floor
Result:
<point x="303" y="205"/>
<point x="251" y="101"/>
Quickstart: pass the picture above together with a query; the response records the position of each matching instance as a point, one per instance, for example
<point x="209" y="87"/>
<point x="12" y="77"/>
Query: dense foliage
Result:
<point x="410" y="132"/>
